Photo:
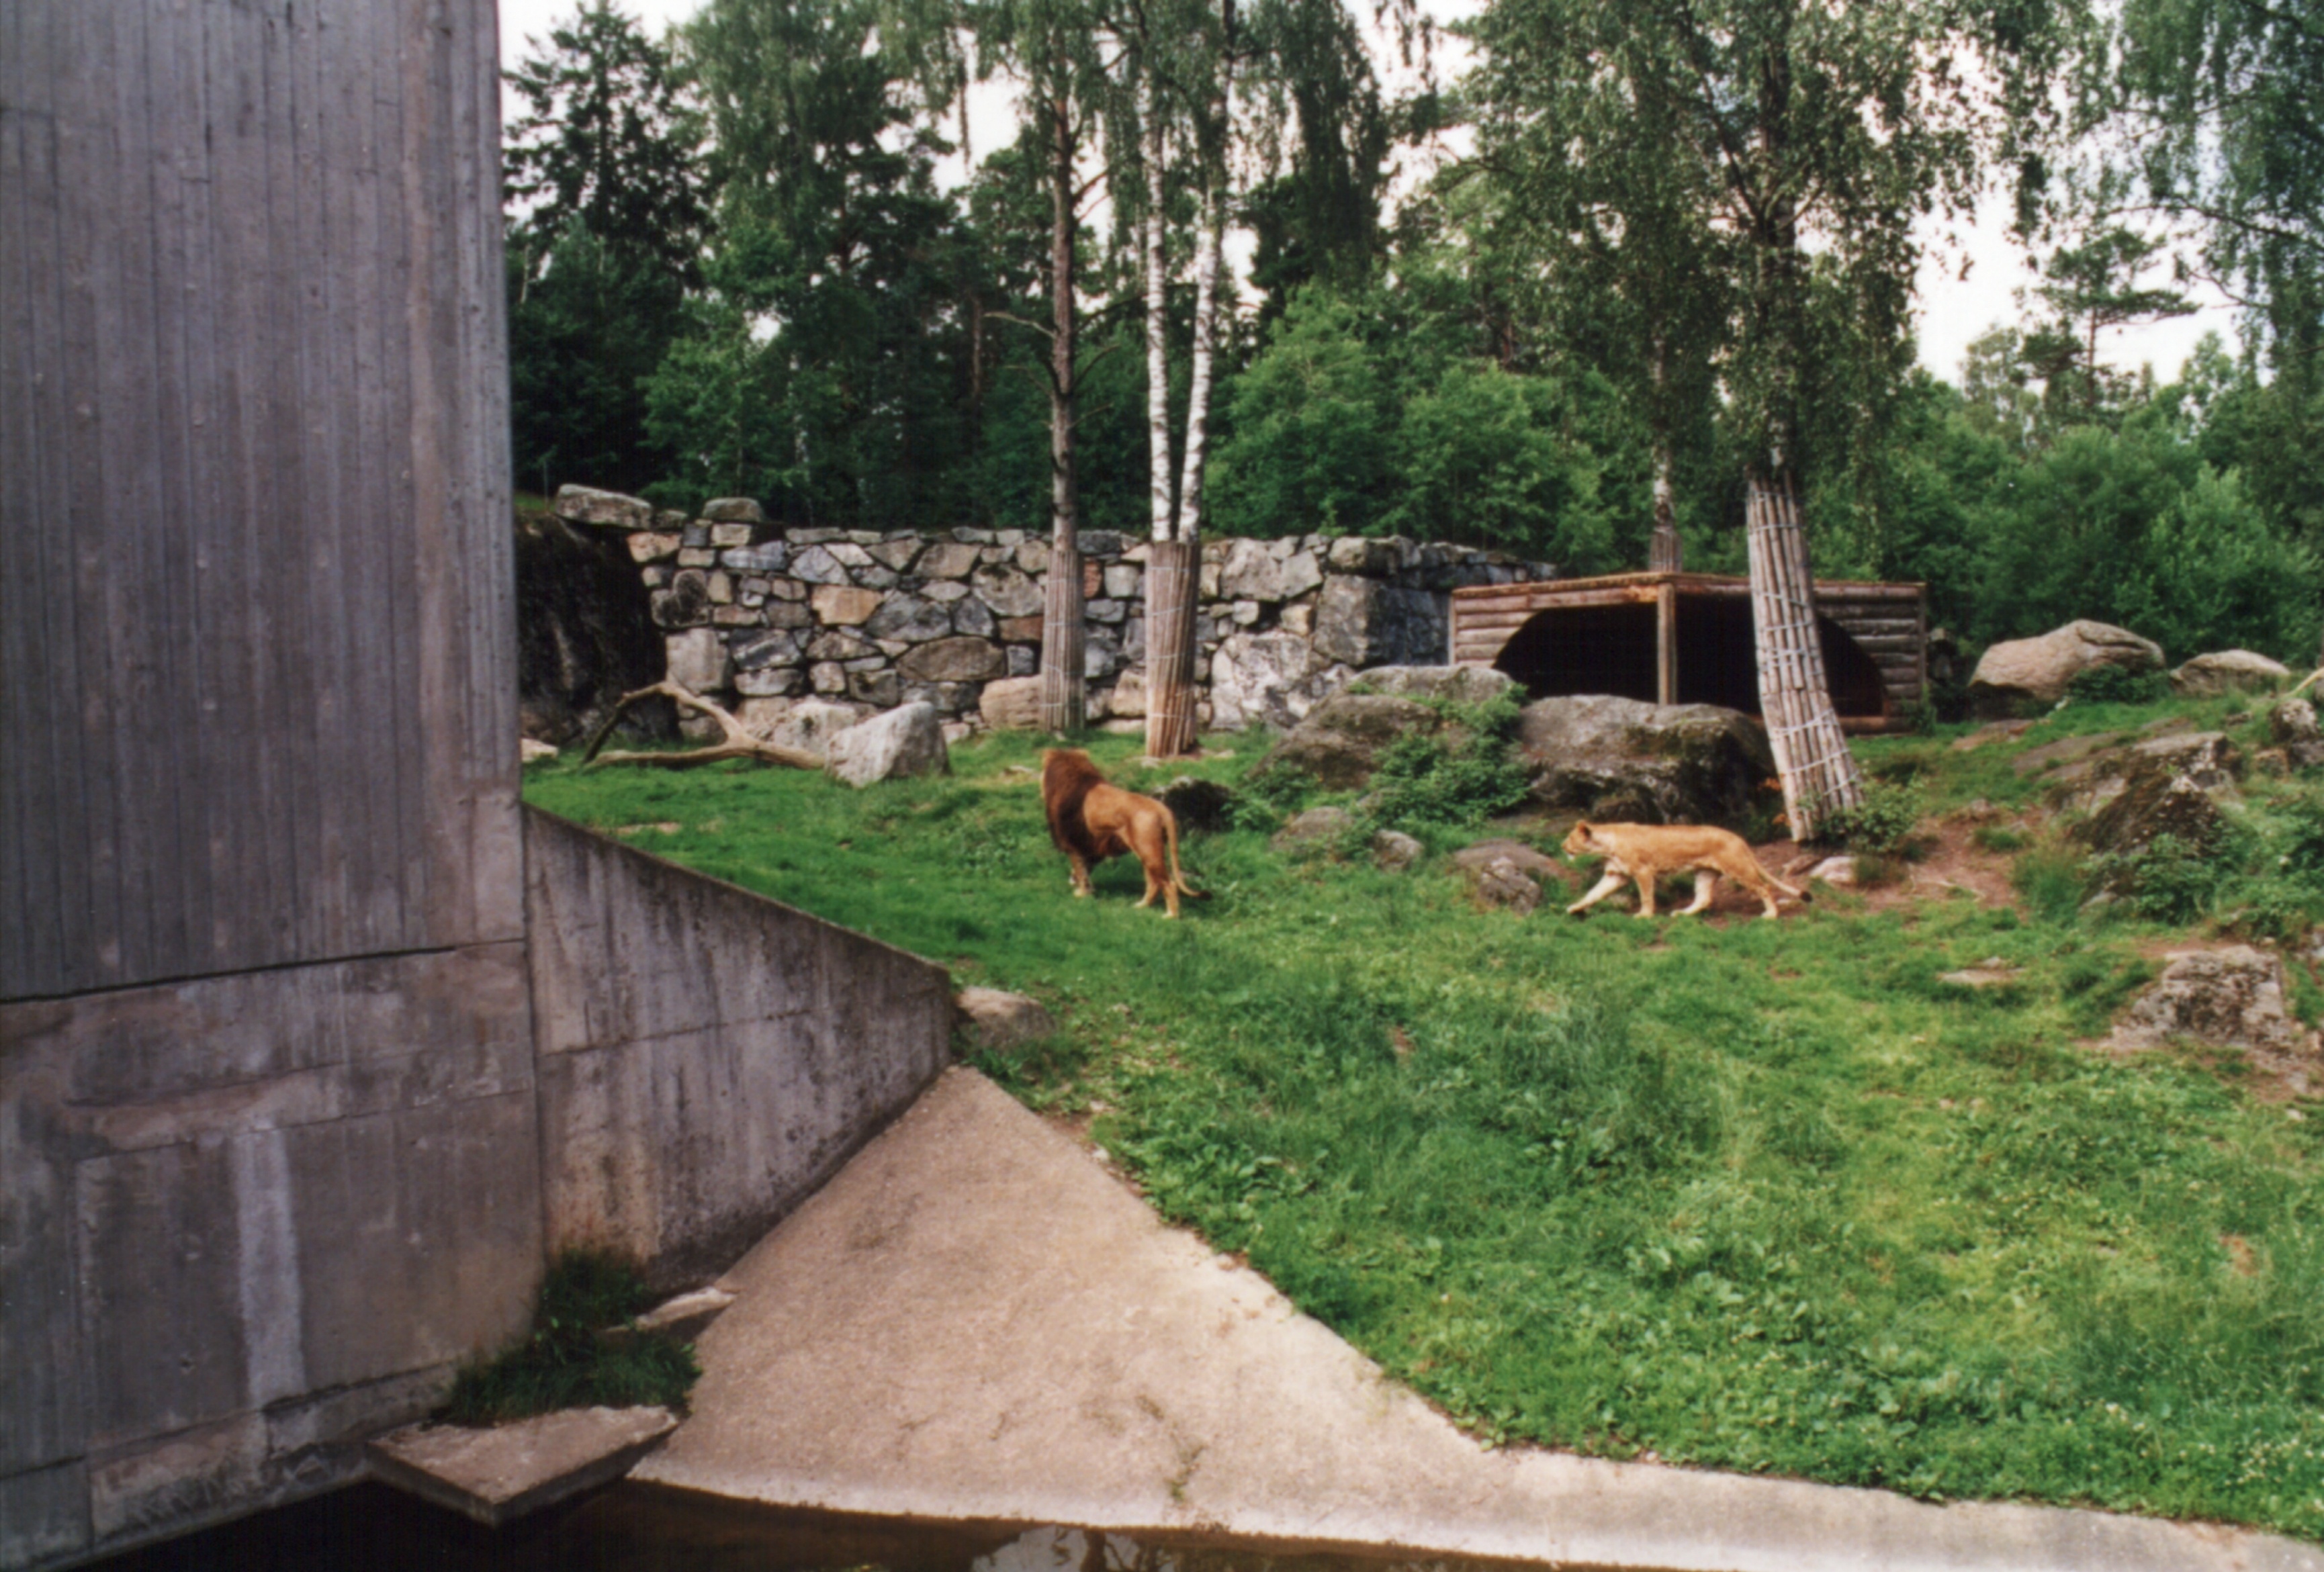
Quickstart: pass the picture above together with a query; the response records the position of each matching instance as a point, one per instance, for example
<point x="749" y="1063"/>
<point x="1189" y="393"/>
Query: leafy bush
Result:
<point x="2168" y="881"/>
<point x="1459" y="775"/>
<point x="567" y="1360"/>
<point x="1881" y="825"/>
<point x="2117" y="685"/>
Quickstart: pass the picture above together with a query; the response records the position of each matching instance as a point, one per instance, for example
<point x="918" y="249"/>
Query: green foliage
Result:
<point x="2117" y="685"/>
<point x="1458" y="776"/>
<point x="2051" y="878"/>
<point x="1883" y="823"/>
<point x="567" y="1360"/>
<point x="1757" y="1196"/>
<point x="2167" y="880"/>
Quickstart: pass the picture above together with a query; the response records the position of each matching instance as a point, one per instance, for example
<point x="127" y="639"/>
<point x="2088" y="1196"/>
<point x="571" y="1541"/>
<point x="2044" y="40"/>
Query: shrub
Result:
<point x="2050" y="878"/>
<point x="2117" y="685"/>
<point x="1997" y="837"/>
<point x="1881" y="825"/>
<point x="2168" y="881"/>
<point x="1459" y="775"/>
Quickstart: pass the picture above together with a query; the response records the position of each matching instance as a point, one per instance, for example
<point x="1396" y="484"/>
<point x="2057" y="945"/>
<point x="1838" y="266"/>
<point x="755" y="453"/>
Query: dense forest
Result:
<point x="1684" y="226"/>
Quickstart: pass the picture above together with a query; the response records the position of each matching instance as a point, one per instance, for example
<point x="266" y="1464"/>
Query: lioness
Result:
<point x="1091" y="821"/>
<point x="1644" y="852"/>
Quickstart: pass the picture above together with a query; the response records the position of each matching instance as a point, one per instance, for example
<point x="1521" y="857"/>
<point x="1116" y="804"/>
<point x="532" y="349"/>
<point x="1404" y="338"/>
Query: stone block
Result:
<point x="734" y="510"/>
<point x="974" y="619"/>
<point x="607" y="510"/>
<point x="944" y="592"/>
<point x="792" y="616"/>
<point x="1023" y="660"/>
<point x="1251" y="572"/>
<point x="818" y="566"/>
<point x="948" y="559"/>
<point x="1033" y="557"/>
<point x="840" y="605"/>
<point x="1123" y="582"/>
<point x="1011" y="704"/>
<point x="653" y="545"/>
<point x="1103" y="611"/>
<point x="720" y="588"/>
<point x="903" y="742"/>
<point x="737" y="617"/>
<point x="779" y="647"/>
<point x="969" y="536"/>
<point x="1100" y="542"/>
<point x="773" y="682"/>
<point x="1298" y="619"/>
<point x="840" y="644"/>
<point x="696" y="534"/>
<point x="827" y="677"/>
<point x="875" y="577"/>
<point x="1021" y="629"/>
<point x="696" y="660"/>
<point x="816" y="537"/>
<point x="1244" y="613"/>
<point x="953" y="660"/>
<point x="1300" y="574"/>
<point x="768" y="558"/>
<point x="685" y="603"/>
<point x="725" y="536"/>
<point x="511" y="1471"/>
<point x="1008" y="591"/>
<point x="696" y="557"/>
<point x="847" y="554"/>
<point x="910" y="619"/>
<point x="897" y="552"/>
<point x="787" y="589"/>
<point x="881" y="688"/>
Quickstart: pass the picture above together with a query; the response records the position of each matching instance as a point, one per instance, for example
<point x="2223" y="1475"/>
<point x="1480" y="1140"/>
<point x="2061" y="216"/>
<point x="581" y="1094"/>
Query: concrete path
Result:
<point x="974" y="1321"/>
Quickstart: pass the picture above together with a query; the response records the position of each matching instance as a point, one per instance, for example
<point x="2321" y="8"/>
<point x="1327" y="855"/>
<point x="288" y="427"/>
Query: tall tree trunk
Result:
<point x="1663" y="551"/>
<point x="1162" y="515"/>
<point x="1063" y="663"/>
<point x="1174" y="570"/>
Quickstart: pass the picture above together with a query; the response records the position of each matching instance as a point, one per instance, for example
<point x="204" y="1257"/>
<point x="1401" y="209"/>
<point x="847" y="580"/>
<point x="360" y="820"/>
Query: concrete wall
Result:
<point x="707" y="1056"/>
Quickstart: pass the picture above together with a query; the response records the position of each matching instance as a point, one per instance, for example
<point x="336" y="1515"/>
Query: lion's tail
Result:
<point x="1177" y="878"/>
<point x="1800" y="895"/>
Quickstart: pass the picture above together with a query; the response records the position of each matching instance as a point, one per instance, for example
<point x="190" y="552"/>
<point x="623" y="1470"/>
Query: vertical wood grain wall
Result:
<point x="256" y="626"/>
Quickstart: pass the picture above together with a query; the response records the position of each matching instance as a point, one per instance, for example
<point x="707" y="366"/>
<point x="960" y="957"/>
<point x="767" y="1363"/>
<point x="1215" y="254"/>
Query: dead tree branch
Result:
<point x="739" y="742"/>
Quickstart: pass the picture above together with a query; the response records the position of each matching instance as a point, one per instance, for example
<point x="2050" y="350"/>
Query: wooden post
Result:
<point x="1172" y="570"/>
<point x="1667" y="644"/>
<point x="1819" y="773"/>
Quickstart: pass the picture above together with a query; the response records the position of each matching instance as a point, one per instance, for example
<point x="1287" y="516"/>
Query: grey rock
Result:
<point x="1394" y="851"/>
<point x="1459" y="684"/>
<point x="685" y="603"/>
<point x="1023" y="660"/>
<point x="1313" y="825"/>
<point x="1251" y="572"/>
<point x="1244" y="613"/>
<point x="1103" y="610"/>
<point x="2152" y="804"/>
<point x="1099" y="543"/>
<point x="968" y="537"/>
<point x="1366" y="623"/>
<point x="905" y="741"/>
<point x="880" y="689"/>
<point x="734" y="510"/>
<point x="1123" y="582"/>
<point x="1272" y="679"/>
<point x="1504" y="885"/>
<point x="827" y="677"/>
<point x="953" y="660"/>
<point x="1840" y="872"/>
<point x="944" y="592"/>
<point x="1012" y="703"/>
<point x="972" y="618"/>
<point x="2293" y="721"/>
<point x="1354" y="554"/>
<point x="999" y="1022"/>
<point x="2024" y="671"/>
<point x="789" y="613"/>
<point x="2228" y="671"/>
<point x="896" y="553"/>
<point x="847" y="554"/>
<point x="816" y="537"/>
<point x="696" y="557"/>
<point x="818" y="566"/>
<point x="1628" y="761"/>
<point x="809" y="725"/>
<point x="696" y="659"/>
<point x="697" y="533"/>
<point x="1339" y="743"/>
<point x="839" y="644"/>
<point x="947" y="559"/>
<point x="731" y="535"/>
<point x="1033" y="557"/>
<point x="1300" y="575"/>
<point x="767" y="650"/>
<point x="607" y="510"/>
<point x="770" y="683"/>
<point x="908" y="617"/>
<point x="875" y="577"/>
<point x="1008" y="591"/>
<point x="2231" y="999"/>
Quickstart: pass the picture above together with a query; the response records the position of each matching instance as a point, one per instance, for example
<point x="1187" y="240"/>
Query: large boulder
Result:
<point x="2231" y="999"/>
<point x="2207" y="760"/>
<point x="2022" y="671"/>
<point x="2228" y="671"/>
<point x="804" y="725"/>
<point x="607" y="510"/>
<point x="2150" y="804"/>
<point x="1630" y="761"/>
<point x="997" y="1022"/>
<point x="585" y="632"/>
<point x="1271" y="679"/>
<point x="1340" y="742"/>
<point x="1459" y="684"/>
<point x="1012" y="705"/>
<point x="1364" y="623"/>
<point x="907" y="741"/>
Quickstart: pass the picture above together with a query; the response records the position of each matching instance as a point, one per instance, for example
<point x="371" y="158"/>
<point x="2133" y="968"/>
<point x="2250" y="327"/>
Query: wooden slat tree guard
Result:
<point x="1172" y="567"/>
<point x="1819" y="774"/>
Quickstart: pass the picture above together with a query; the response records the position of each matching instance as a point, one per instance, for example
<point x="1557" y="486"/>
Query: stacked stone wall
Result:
<point x="764" y="617"/>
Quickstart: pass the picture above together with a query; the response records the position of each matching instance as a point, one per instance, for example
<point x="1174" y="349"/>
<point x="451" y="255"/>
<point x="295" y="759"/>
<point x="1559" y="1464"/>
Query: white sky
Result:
<point x="1954" y="308"/>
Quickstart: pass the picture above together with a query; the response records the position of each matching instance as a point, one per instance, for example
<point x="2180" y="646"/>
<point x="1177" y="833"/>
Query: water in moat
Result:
<point x="644" y="1527"/>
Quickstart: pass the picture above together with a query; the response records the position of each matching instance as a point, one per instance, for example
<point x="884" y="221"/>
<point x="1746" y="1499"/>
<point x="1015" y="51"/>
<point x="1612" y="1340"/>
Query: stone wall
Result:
<point x="762" y="616"/>
<point x="249" y="1220"/>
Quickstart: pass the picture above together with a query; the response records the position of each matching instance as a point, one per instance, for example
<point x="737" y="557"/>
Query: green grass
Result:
<point x="1765" y="1197"/>
<point x="565" y="1361"/>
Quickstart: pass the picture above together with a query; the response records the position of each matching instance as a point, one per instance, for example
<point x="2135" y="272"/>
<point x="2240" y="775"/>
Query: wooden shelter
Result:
<point x="1687" y="637"/>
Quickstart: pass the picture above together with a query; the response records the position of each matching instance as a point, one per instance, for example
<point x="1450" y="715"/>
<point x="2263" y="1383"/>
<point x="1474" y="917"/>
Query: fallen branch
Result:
<point x="739" y="742"/>
<point x="2311" y="678"/>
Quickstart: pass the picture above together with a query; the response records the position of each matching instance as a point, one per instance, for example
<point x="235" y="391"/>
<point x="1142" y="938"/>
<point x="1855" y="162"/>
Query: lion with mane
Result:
<point x="1091" y="819"/>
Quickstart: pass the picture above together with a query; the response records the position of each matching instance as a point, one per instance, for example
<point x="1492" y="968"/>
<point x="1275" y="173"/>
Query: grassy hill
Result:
<point x="1761" y="1196"/>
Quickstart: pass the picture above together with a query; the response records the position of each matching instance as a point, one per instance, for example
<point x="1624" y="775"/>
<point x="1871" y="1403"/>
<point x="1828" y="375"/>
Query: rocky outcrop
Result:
<point x="905" y="741"/>
<point x="1503" y="885"/>
<point x="1458" y="685"/>
<point x="1269" y="679"/>
<point x="1339" y="744"/>
<point x="997" y="1022"/>
<point x="586" y="636"/>
<point x="2231" y="999"/>
<point x="1633" y="762"/>
<point x="2028" y="671"/>
<point x="2228" y="671"/>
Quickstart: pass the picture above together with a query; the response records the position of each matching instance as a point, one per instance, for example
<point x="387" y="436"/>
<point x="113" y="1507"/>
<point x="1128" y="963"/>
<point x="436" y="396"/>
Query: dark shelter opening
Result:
<point x="1610" y="649"/>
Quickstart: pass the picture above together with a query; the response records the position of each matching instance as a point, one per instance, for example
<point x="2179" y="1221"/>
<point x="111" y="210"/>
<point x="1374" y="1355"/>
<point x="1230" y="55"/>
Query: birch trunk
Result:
<point x="1062" y="706"/>
<point x="1663" y="551"/>
<point x="1819" y="774"/>
<point x="1157" y="319"/>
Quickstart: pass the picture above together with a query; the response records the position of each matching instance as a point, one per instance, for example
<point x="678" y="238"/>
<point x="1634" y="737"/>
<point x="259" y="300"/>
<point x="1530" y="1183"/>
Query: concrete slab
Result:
<point x="974" y="1321"/>
<point x="499" y="1475"/>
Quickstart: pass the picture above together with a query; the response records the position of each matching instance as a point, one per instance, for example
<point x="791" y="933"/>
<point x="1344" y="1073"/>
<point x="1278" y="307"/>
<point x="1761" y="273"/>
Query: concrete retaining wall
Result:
<point x="246" y="1221"/>
<point x="707" y="1056"/>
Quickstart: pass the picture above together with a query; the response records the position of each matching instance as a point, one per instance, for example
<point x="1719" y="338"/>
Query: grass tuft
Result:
<point x="568" y="1361"/>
